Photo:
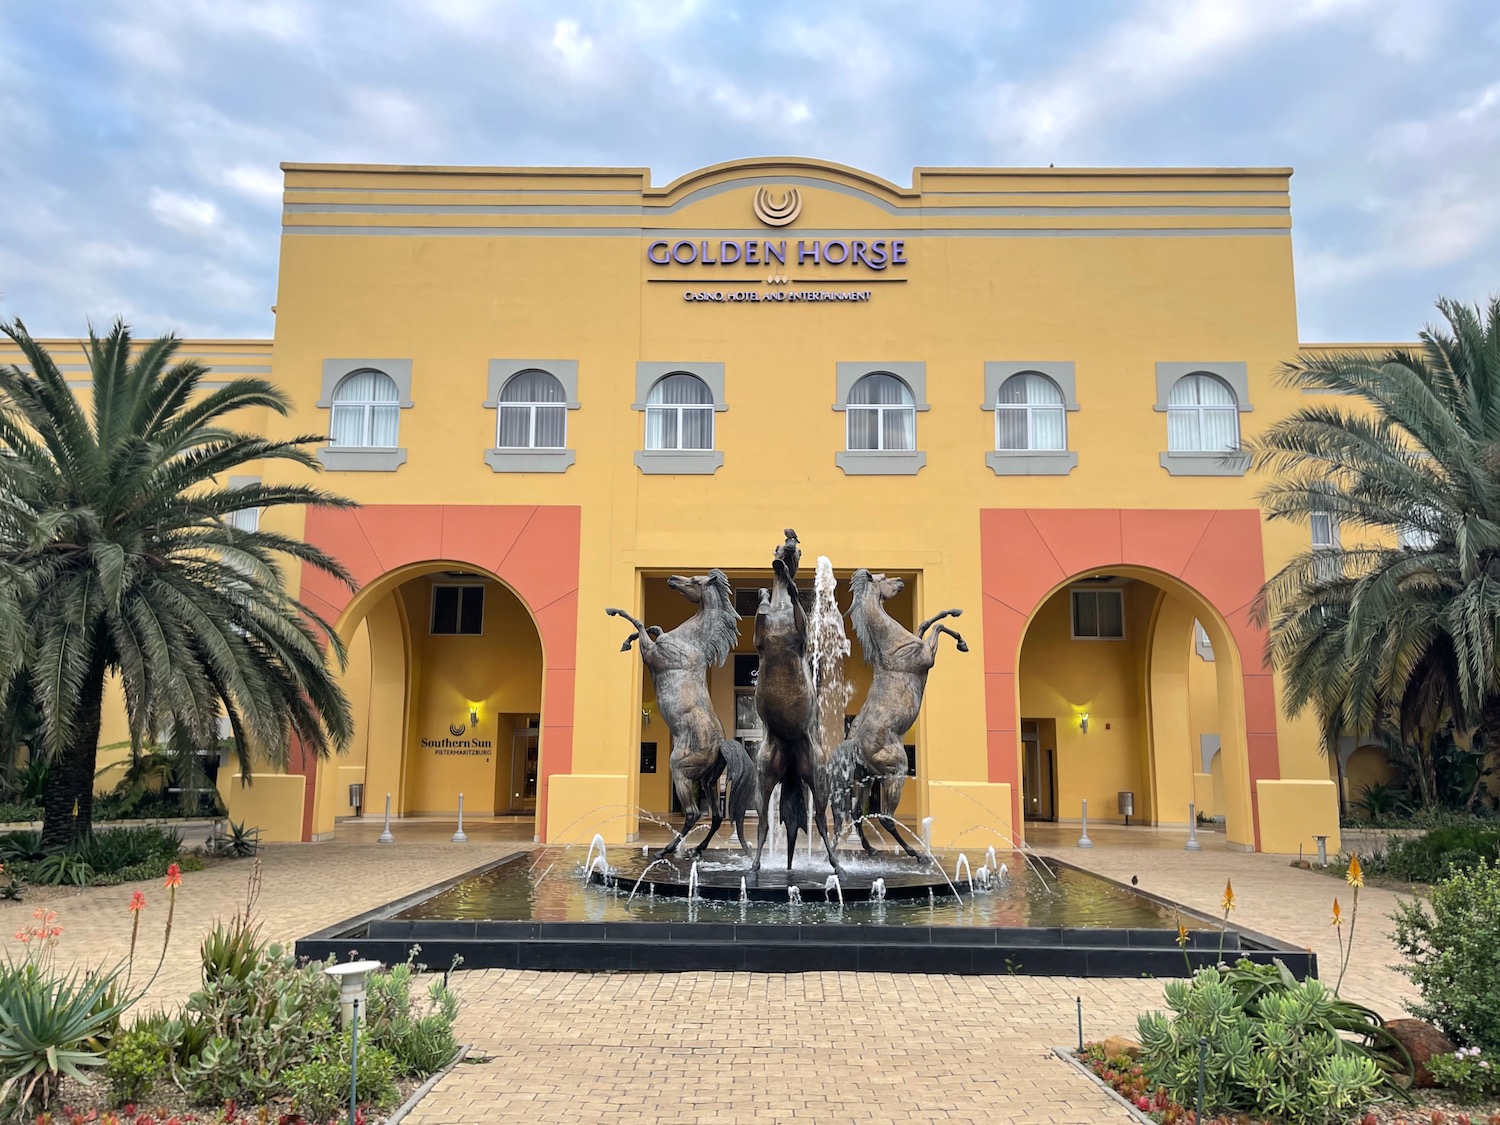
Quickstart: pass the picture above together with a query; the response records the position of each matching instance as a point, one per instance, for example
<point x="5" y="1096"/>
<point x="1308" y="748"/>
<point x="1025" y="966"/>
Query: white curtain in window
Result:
<point x="1202" y="416"/>
<point x="881" y="414"/>
<point x="680" y="413"/>
<point x="366" y="411"/>
<point x="1030" y="414"/>
<point x="528" y="417"/>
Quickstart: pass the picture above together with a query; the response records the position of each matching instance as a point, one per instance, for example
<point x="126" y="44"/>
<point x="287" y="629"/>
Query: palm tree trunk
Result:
<point x="68" y="799"/>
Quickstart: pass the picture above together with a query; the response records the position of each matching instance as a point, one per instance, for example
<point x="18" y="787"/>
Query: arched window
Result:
<point x="1202" y="415"/>
<point x="366" y="411"/>
<point x="680" y="413"/>
<point x="1030" y="414"/>
<point x="533" y="412"/>
<point x="881" y="414"/>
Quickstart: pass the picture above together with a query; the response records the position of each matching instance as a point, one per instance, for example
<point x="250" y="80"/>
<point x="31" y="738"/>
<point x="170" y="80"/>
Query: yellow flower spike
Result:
<point x="1338" y="915"/>
<point x="1182" y="935"/>
<point x="1355" y="876"/>
<point x="1228" y="896"/>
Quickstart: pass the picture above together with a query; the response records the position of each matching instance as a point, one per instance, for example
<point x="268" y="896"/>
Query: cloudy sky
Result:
<point x="141" y="139"/>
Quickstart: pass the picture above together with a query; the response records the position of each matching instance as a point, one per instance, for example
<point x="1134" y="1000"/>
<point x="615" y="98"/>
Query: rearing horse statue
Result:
<point x="678" y="662"/>
<point x="873" y="751"/>
<point x="787" y="703"/>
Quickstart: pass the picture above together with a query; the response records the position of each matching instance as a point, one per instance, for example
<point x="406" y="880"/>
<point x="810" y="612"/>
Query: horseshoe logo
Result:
<point x="456" y="729"/>
<point x="777" y="212"/>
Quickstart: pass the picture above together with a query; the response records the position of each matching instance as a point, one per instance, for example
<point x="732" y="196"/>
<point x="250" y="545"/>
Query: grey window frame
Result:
<point x="1032" y="462"/>
<point x="355" y="459"/>
<point x="458" y="620"/>
<point x="1117" y="592"/>
<point x="508" y="460"/>
<point x="881" y="462"/>
<point x="678" y="462"/>
<point x="1234" y="374"/>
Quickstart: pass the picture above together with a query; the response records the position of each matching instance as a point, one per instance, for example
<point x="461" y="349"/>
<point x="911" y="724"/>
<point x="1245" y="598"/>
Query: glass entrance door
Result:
<point x="525" y="756"/>
<point x="1036" y="774"/>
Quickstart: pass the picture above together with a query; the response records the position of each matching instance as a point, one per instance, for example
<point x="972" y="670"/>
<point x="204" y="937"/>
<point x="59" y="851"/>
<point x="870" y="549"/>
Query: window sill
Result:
<point x="880" y="462"/>
<point x="1032" y="462"/>
<point x="1206" y="464"/>
<point x="355" y="459"/>
<point x="529" y="460"/>
<point x="679" y="462"/>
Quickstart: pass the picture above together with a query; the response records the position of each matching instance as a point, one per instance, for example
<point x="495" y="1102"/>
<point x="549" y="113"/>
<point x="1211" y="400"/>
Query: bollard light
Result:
<point x="1083" y="837"/>
<point x="458" y="836"/>
<point x="351" y="977"/>
<point x="1192" y="844"/>
<point x="385" y="835"/>
<point x="1322" y="842"/>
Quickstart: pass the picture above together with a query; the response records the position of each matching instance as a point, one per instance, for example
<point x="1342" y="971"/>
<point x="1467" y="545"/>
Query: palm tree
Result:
<point x="118" y="556"/>
<point x="1399" y="629"/>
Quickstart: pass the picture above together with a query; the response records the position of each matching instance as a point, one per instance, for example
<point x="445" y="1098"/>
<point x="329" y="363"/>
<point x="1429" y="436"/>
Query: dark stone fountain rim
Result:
<point x="768" y="947"/>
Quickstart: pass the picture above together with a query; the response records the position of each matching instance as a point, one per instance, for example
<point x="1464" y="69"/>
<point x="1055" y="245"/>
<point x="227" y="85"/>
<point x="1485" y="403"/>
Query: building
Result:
<point x="550" y="388"/>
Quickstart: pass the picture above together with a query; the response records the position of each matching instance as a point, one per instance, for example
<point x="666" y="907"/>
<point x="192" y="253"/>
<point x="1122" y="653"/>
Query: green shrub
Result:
<point x="1274" y="1046"/>
<point x="1451" y="955"/>
<point x="1430" y="857"/>
<point x="258" y="1015"/>
<point x="136" y="1061"/>
<point x="19" y="814"/>
<point x="320" y="1086"/>
<point x="16" y="847"/>
<point x="51" y="1026"/>
<point x="1469" y="1072"/>
<point x="420" y="1041"/>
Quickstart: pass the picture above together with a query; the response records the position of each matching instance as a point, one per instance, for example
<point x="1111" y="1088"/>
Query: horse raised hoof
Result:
<point x="963" y="646"/>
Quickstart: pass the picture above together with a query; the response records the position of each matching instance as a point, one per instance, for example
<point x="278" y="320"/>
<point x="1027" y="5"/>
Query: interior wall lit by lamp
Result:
<point x="1083" y="721"/>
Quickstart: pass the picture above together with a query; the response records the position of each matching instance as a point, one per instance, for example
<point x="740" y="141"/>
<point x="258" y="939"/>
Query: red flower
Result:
<point x="174" y="879"/>
<point x="137" y="902"/>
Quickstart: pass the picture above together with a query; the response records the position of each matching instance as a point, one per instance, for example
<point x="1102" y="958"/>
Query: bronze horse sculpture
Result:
<point x="873" y="752"/>
<point x="678" y="662"/>
<point x="787" y="703"/>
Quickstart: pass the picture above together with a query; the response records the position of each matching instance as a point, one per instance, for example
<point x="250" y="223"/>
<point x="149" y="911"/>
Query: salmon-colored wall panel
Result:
<point x="1260" y="704"/>
<point x="558" y="624"/>
<point x="1000" y="701"/>
<point x="531" y="564"/>
<point x="483" y="535"/>
<point x="1003" y="629"/>
<point x="1018" y="568"/>
<point x="557" y="697"/>
<point x="1228" y="567"/>
<point x="1079" y="539"/>
<point x="402" y="534"/>
<point x="1167" y="538"/>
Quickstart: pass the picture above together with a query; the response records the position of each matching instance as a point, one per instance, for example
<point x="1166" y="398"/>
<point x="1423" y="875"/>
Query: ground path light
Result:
<point x="459" y="837"/>
<point x="1192" y="844"/>
<point x="385" y="836"/>
<point x="351" y="976"/>
<point x="1083" y="836"/>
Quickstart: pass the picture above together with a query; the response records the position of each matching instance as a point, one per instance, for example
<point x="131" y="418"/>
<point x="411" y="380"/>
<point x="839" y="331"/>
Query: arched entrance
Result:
<point x="1209" y="566"/>
<point x="426" y="682"/>
<point x="1119" y="694"/>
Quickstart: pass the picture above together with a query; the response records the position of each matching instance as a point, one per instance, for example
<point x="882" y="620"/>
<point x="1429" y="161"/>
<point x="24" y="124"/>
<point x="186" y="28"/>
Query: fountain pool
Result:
<point x="549" y="909"/>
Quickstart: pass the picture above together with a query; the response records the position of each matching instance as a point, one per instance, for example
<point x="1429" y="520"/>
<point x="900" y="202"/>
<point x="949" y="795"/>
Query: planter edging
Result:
<point x="400" y="1112"/>
<point x="1067" y="1055"/>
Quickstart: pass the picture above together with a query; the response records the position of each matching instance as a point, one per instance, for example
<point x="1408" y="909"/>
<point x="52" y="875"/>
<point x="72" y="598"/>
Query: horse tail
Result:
<point x="794" y="807"/>
<point x="741" y="771"/>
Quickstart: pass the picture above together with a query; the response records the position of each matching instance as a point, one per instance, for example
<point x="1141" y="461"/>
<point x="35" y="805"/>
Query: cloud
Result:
<point x="143" y="140"/>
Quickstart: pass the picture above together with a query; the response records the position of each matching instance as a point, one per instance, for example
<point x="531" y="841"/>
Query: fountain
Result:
<point x="880" y="910"/>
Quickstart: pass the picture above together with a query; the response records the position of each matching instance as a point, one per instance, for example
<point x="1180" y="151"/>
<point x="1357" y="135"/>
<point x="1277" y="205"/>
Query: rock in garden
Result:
<point x="1422" y="1041"/>
<point x="1119" y="1045"/>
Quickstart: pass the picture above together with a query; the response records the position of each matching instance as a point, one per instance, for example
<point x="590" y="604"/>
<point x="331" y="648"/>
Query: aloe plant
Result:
<point x="52" y="1026"/>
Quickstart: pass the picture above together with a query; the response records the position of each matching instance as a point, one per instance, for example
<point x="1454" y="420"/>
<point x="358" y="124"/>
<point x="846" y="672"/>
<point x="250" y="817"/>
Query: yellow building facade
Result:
<point x="549" y="389"/>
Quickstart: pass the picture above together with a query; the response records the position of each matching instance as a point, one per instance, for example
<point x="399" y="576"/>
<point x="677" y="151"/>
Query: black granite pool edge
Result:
<point x="770" y="947"/>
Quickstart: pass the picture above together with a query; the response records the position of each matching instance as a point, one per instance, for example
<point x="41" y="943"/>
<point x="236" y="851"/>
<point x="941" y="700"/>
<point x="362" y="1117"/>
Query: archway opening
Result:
<point x="446" y="680"/>
<point x="1130" y="699"/>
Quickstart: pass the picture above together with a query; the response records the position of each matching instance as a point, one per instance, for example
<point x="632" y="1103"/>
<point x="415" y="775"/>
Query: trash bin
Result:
<point x="357" y="797"/>
<point x="1127" y="805"/>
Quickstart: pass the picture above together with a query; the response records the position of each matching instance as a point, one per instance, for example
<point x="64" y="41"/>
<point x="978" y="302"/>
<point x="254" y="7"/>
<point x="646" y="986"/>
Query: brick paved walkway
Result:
<point x="722" y="1047"/>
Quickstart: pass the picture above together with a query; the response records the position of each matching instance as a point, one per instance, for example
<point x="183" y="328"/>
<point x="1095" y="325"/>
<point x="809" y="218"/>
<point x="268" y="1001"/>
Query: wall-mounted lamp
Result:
<point x="645" y="717"/>
<point x="473" y="715"/>
<point x="1083" y="722"/>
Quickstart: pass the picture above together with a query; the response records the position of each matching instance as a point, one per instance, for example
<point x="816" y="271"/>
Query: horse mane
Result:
<point x="859" y="617"/>
<point x="721" y="628"/>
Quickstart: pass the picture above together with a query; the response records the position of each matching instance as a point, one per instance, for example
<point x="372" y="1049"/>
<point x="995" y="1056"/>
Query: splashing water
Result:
<point x="927" y="834"/>
<point x="961" y="870"/>
<point x="794" y="894"/>
<point x="829" y="644"/>
<point x="989" y="858"/>
<point x="877" y="890"/>
<point x="693" y="881"/>
<point x="744" y="891"/>
<point x="830" y="887"/>
<point x="589" y="863"/>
